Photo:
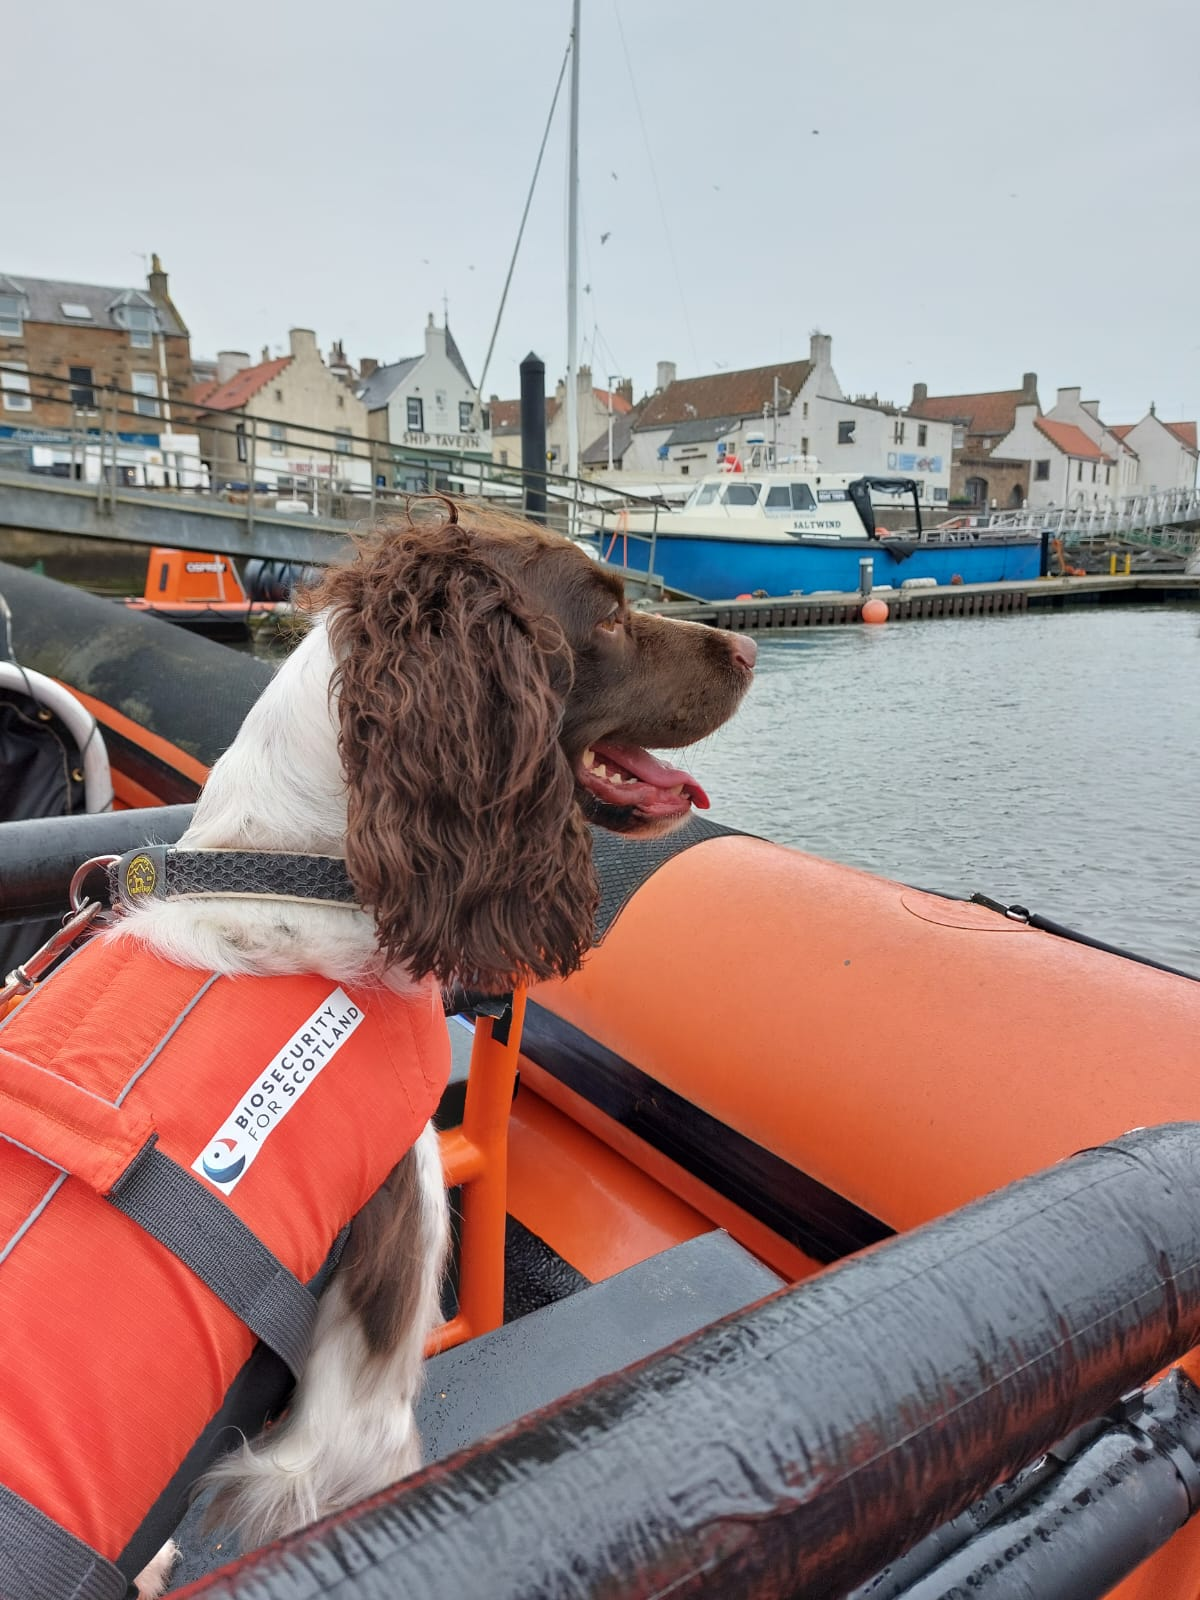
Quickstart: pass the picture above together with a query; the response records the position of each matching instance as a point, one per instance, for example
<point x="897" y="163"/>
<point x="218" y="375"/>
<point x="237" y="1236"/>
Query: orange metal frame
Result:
<point x="475" y="1160"/>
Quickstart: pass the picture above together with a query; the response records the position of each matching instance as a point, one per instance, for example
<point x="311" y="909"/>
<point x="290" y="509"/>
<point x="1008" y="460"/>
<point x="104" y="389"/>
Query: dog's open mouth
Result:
<point x="626" y="775"/>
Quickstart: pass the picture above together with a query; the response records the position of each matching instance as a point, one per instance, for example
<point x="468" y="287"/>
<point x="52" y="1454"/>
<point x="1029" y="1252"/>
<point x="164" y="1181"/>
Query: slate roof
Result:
<point x="995" y="412"/>
<point x="1072" y="441"/>
<point x="243" y="386"/>
<point x="378" y="389"/>
<point x="596" y="454"/>
<point x="722" y="394"/>
<point x="45" y="297"/>
<point x="702" y="430"/>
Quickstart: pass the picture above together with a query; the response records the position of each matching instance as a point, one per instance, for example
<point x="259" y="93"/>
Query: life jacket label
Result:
<point x="234" y="1147"/>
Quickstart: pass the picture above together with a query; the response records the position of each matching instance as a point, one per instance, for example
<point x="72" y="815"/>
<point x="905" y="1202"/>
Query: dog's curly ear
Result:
<point x="464" y="837"/>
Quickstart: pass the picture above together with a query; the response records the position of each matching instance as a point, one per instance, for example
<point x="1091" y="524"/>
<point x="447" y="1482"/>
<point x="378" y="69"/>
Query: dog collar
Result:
<point x="160" y="872"/>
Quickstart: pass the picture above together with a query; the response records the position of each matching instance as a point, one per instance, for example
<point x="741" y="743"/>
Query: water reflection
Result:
<point x="1047" y="759"/>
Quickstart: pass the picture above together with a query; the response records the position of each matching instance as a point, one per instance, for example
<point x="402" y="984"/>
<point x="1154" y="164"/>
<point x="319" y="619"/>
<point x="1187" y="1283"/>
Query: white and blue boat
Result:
<point x="781" y="531"/>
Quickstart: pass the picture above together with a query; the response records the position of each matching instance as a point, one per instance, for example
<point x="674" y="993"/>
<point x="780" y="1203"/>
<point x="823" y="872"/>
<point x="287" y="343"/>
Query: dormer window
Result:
<point x="76" y="311"/>
<point x="12" y="308"/>
<point x="139" y="318"/>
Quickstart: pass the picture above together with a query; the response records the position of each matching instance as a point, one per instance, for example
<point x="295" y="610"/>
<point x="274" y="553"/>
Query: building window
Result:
<point x="684" y="470"/>
<point x="977" y="491"/>
<point x="279" y="395"/>
<point x="278" y="434"/>
<point x="341" y="400"/>
<point x="1108" y="474"/>
<point x="804" y="411"/>
<point x="239" y="433"/>
<point x="10" y="315"/>
<point x="897" y="433"/>
<point x="466" y="416"/>
<point x="922" y="435"/>
<point x="960" y="436"/>
<point x="804" y="445"/>
<point x="1079" y="472"/>
<point x="343" y="441"/>
<point x="142" y="323"/>
<point x="416" y="414"/>
<point x="1041" y="471"/>
<point x="83" y="395"/>
<point x="1093" y="472"/>
<point x="845" y="433"/>
<point x="14" y="383"/>
<point x="941" y="494"/>
<point x="504" y="458"/>
<point x="145" y="392"/>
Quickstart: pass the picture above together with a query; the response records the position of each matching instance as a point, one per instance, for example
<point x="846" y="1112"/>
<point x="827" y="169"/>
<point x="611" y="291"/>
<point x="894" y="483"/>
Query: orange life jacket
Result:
<point x="180" y="1153"/>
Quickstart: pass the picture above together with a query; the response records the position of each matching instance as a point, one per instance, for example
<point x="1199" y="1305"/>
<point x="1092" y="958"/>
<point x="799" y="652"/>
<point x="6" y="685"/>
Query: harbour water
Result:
<point x="1048" y="759"/>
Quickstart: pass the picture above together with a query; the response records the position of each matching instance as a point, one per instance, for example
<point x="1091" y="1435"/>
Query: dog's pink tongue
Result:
<point x="649" y="769"/>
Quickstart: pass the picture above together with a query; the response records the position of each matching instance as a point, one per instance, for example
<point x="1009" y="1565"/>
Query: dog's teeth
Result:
<point x="589" y="759"/>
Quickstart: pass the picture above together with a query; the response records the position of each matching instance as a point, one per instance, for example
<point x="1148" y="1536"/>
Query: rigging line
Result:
<point x="662" y="210"/>
<point x="487" y="360"/>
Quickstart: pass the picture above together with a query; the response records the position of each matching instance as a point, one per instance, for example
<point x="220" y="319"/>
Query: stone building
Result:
<point x="426" y="410"/>
<point x="284" y="423"/>
<point x="1166" y="451"/>
<point x="593" y="408"/>
<point x="62" y="343"/>
<point x="980" y="475"/>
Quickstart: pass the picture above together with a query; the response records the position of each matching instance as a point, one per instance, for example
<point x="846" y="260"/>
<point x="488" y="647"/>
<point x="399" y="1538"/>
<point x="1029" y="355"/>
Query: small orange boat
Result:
<point x="822" y="1236"/>
<point x="202" y="591"/>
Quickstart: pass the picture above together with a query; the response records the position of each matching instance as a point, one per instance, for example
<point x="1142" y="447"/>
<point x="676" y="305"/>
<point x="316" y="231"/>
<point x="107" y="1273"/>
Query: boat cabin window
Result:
<point x="802" y="498"/>
<point x="705" y="494"/>
<point x="779" y="497"/>
<point x="741" y="494"/>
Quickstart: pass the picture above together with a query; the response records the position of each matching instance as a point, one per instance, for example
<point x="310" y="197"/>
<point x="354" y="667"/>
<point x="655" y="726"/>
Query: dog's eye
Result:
<point x="612" y="624"/>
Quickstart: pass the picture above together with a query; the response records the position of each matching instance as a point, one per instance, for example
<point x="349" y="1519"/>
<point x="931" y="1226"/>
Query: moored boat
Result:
<point x="782" y="531"/>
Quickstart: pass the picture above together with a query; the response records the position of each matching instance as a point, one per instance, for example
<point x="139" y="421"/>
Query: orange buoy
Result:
<point x="874" y="611"/>
<point x="743" y="597"/>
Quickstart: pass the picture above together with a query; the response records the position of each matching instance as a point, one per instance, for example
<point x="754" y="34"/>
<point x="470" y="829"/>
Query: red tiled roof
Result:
<point x="1185" y="432"/>
<point x="506" y="414"/>
<point x="1072" y="441"/>
<point x="619" y="403"/>
<point x="722" y="394"/>
<point x="982" y="413"/>
<point x="1120" y="429"/>
<point x="243" y="386"/>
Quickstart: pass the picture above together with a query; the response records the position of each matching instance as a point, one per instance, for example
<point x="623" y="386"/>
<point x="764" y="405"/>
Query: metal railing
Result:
<point x="1160" y="519"/>
<point x="250" y="464"/>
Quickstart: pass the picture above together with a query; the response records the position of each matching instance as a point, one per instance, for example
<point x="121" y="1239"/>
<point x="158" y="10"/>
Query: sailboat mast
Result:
<point x="573" y="255"/>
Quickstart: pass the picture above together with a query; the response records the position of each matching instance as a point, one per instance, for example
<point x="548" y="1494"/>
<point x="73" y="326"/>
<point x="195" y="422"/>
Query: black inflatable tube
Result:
<point x="797" y="1447"/>
<point x="1109" y="1509"/>
<point x="187" y="690"/>
<point x="40" y="856"/>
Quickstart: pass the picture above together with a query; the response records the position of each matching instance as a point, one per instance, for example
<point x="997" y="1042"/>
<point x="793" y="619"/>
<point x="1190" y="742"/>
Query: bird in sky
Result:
<point x="605" y="237"/>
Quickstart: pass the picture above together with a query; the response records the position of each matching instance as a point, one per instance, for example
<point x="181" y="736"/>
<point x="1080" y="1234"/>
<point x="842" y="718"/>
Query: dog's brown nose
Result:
<point x="745" y="651"/>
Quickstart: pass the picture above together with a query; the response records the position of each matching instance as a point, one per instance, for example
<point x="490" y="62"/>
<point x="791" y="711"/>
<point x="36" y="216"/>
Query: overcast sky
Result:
<point x="990" y="189"/>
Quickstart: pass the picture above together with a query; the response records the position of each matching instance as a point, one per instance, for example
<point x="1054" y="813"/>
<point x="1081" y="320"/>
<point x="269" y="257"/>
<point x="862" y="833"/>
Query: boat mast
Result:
<point x="573" y="254"/>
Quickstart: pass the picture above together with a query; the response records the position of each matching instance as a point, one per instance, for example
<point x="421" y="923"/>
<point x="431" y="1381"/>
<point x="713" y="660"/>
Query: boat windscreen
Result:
<point x="741" y="494"/>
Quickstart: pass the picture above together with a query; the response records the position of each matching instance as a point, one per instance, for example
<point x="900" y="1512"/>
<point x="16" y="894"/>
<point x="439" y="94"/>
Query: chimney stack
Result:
<point x="367" y="366"/>
<point x="666" y="375"/>
<point x="303" y="342"/>
<point x="1029" y="386"/>
<point x="820" y="349"/>
<point x="920" y="394"/>
<point x="625" y="389"/>
<point x="229" y="362"/>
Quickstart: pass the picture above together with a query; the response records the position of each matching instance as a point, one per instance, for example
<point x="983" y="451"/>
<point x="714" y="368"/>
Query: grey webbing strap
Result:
<point x="39" y="1559"/>
<point x="196" y="1225"/>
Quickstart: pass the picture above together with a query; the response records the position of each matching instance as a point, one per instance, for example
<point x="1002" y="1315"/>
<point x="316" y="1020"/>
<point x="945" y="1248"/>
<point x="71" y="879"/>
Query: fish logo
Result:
<point x="219" y="1162"/>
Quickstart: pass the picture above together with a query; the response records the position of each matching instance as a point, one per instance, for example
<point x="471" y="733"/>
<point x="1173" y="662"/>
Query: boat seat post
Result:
<point x="475" y="1161"/>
